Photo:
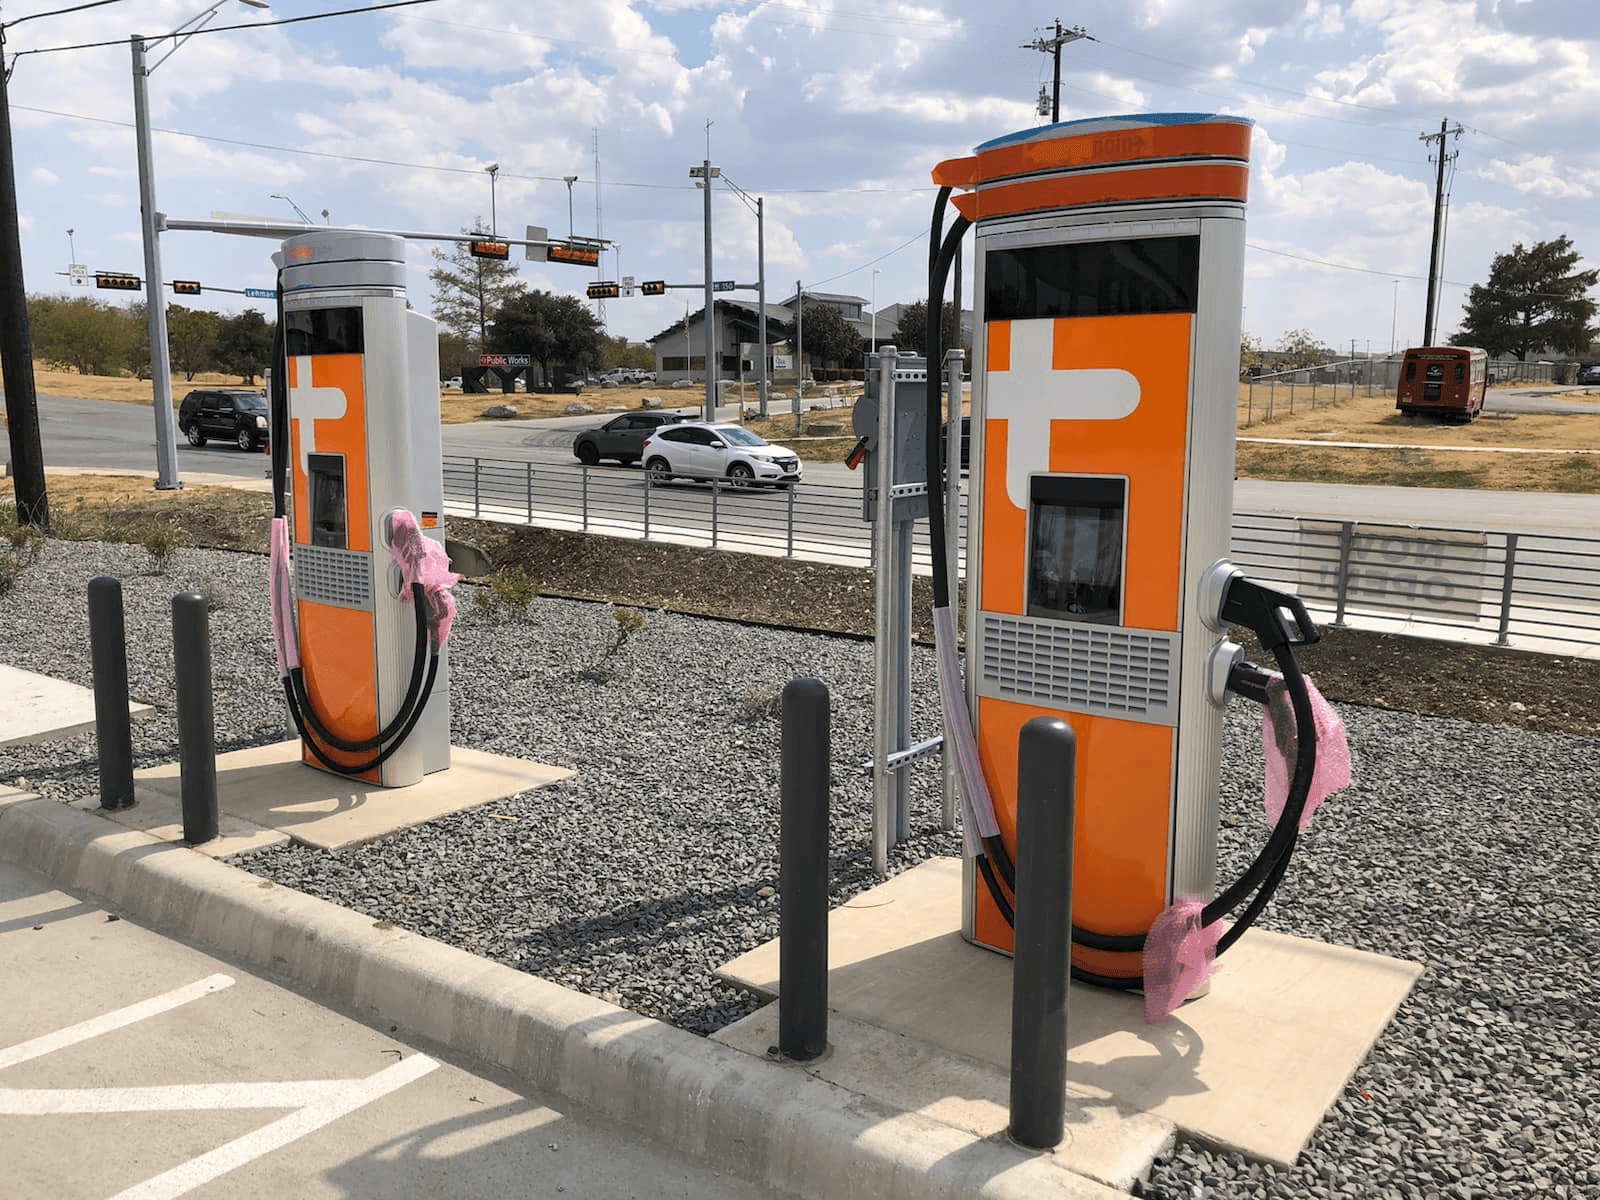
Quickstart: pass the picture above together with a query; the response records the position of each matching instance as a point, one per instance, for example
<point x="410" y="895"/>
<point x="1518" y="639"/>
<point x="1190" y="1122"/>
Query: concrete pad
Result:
<point x="1103" y="1141"/>
<point x="269" y="788"/>
<point x="37" y="708"/>
<point x="1253" y="1065"/>
<point x="161" y="816"/>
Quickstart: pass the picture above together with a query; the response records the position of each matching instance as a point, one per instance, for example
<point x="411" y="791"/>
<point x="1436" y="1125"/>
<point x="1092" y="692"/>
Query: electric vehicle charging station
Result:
<point x="1109" y="278"/>
<point x="357" y="462"/>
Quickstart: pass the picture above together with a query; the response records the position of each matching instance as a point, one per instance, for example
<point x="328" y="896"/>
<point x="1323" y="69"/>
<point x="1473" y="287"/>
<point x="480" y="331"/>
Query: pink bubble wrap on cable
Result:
<point x="423" y="560"/>
<point x="283" y="638"/>
<point x="1278" y="741"/>
<point x="1179" y="955"/>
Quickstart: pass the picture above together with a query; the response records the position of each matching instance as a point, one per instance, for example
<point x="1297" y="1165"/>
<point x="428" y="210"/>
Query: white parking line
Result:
<point x="94" y="1027"/>
<point x="208" y="1166"/>
<point x="37" y="1102"/>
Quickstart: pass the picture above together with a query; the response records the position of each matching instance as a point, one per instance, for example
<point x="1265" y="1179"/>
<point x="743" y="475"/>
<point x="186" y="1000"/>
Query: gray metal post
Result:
<point x="761" y="295"/>
<point x="900" y="673"/>
<point x="956" y="360"/>
<point x="197" y="744"/>
<point x="799" y="351"/>
<point x="529" y="480"/>
<point x="154" y="292"/>
<point x="716" y="492"/>
<point x="477" y="502"/>
<point x="803" y="872"/>
<point x="789" y="550"/>
<point x="1507" y="582"/>
<point x="1046" y="758"/>
<point x="885" y="705"/>
<point x="585" y="471"/>
<point x="1346" y="541"/>
<point x="711" y="323"/>
<point x="108" y="653"/>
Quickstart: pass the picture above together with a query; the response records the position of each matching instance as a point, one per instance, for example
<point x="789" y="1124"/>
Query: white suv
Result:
<point x="700" y="450"/>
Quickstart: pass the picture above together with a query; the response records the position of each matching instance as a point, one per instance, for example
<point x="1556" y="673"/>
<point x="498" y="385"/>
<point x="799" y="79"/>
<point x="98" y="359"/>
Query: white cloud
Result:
<point x="44" y="175"/>
<point x="1535" y="176"/>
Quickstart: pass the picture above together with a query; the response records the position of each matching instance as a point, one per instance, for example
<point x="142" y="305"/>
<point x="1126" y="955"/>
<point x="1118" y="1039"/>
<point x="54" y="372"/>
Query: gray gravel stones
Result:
<point x="1469" y="848"/>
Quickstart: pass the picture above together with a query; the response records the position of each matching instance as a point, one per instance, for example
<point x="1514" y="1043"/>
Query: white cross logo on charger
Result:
<point x="310" y="405"/>
<point x="1033" y="392"/>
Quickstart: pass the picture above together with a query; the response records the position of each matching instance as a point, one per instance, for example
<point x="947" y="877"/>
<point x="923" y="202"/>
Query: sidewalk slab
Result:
<point x="1252" y="1066"/>
<point x="37" y="708"/>
<point x="274" y="796"/>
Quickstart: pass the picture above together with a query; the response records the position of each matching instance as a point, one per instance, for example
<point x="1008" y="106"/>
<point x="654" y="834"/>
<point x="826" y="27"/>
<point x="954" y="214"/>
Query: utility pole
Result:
<point x="1052" y="46"/>
<point x="1434" y="265"/>
<point x="16" y="343"/>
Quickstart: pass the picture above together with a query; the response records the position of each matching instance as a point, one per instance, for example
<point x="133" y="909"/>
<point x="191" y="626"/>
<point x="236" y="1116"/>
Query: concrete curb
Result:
<point x="773" y="1124"/>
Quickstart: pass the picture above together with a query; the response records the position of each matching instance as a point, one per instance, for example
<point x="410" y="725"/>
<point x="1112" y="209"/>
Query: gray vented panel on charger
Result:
<point x="1130" y="673"/>
<point x="329" y="576"/>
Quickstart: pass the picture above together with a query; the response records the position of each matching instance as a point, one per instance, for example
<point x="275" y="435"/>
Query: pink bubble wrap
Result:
<point x="283" y="637"/>
<point x="1278" y="743"/>
<point x="1179" y="955"/>
<point x="422" y="560"/>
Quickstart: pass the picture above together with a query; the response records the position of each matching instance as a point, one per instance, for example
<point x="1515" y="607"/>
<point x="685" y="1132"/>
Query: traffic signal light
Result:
<point x="117" y="281"/>
<point x="186" y="287"/>
<point x="654" y="287"/>
<point x="487" y="249"/>
<point x="571" y="252"/>
<point x="602" y="291"/>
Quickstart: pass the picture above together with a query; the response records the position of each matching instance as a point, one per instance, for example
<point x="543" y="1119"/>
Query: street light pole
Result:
<point x="154" y="293"/>
<point x="494" y="172"/>
<point x="761" y="280"/>
<point x="154" y="297"/>
<point x="570" y="180"/>
<point x="706" y="173"/>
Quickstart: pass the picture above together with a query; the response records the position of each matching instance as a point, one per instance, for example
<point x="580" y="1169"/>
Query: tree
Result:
<point x="467" y="291"/>
<point x="192" y="338"/>
<point x="1300" y="349"/>
<point x="244" y="345"/>
<point x="549" y="328"/>
<point x="911" y="330"/>
<point x="827" y="338"/>
<point x="81" y="332"/>
<point x="1534" y="300"/>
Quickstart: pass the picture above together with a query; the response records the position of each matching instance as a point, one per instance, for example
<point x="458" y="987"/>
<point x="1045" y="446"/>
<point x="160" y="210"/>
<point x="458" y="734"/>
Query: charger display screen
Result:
<point x="1075" y="547"/>
<point x="325" y="482"/>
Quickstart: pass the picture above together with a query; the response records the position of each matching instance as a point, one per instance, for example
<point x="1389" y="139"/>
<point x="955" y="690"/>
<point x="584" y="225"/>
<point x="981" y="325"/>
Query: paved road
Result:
<point x="134" y="1066"/>
<point x="103" y="434"/>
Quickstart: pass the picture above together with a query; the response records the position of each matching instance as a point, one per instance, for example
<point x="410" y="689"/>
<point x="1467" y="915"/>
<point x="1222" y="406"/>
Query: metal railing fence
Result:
<point x="1457" y="583"/>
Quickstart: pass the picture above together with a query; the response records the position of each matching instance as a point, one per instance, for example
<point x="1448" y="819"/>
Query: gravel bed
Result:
<point x="1470" y="848"/>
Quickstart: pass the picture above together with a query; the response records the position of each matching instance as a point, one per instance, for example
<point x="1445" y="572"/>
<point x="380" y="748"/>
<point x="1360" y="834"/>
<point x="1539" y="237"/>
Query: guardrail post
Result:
<point x="108" y="655"/>
<point x="585" y="509"/>
<point x="1347" y="537"/>
<point x="803" y="872"/>
<point x="529" y="467"/>
<point x="716" y="491"/>
<point x="1507" y="582"/>
<point x="477" y="502"/>
<point x="789" y="521"/>
<point x="197" y="745"/>
<point x="1046" y="758"/>
<point x="647" y="489"/>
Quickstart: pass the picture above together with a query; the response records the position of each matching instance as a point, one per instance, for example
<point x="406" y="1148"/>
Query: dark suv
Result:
<point x="621" y="438"/>
<point x="227" y="414"/>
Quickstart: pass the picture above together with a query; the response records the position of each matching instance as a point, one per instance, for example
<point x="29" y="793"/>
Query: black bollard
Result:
<point x="1040" y="969"/>
<point x="197" y="745"/>
<point x="803" y="873"/>
<point x="108" y="655"/>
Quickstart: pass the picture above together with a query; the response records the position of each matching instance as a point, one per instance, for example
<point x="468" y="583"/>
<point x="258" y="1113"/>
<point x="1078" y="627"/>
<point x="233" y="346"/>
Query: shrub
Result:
<point x="161" y="540"/>
<point x="507" y="594"/>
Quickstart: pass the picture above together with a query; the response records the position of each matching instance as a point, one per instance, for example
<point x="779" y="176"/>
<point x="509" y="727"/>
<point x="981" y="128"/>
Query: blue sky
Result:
<point x="834" y="113"/>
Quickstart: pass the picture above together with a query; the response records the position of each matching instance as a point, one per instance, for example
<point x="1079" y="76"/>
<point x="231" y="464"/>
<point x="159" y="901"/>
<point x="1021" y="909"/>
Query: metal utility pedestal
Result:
<point x="889" y="415"/>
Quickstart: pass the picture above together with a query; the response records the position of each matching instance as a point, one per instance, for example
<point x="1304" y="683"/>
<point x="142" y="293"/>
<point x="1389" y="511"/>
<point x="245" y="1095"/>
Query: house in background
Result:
<point x="681" y="347"/>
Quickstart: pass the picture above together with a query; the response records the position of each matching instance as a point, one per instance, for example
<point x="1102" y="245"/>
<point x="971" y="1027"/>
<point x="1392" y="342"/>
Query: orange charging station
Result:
<point x="1109" y="264"/>
<point x="364" y="442"/>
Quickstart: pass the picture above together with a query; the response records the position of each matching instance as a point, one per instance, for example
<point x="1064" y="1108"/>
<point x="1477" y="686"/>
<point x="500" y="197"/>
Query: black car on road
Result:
<point x="226" y="414"/>
<point x="621" y="438"/>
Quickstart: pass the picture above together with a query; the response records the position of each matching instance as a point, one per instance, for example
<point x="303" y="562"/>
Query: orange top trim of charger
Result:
<point x="1093" y="145"/>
